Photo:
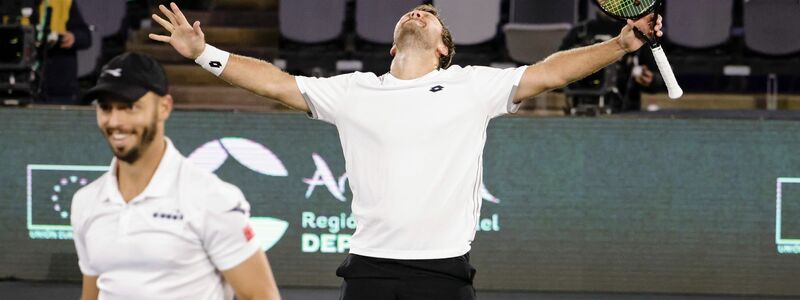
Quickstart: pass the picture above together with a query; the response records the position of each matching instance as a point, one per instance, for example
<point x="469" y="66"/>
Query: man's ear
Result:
<point x="393" y="51"/>
<point x="165" y="105"/>
<point x="442" y="50"/>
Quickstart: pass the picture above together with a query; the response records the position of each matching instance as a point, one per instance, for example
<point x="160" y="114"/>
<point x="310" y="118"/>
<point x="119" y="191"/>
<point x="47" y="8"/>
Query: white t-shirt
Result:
<point x="413" y="151"/>
<point x="169" y="242"/>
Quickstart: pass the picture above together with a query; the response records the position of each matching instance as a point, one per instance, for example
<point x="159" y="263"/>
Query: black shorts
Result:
<point x="373" y="278"/>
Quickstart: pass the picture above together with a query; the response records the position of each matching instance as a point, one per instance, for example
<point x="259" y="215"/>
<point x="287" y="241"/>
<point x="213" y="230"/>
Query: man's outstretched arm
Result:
<point x="257" y="76"/>
<point x="565" y="67"/>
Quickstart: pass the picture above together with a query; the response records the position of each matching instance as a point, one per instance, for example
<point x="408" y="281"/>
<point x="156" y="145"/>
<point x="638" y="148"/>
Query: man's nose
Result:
<point x="416" y="14"/>
<point x="114" y="118"/>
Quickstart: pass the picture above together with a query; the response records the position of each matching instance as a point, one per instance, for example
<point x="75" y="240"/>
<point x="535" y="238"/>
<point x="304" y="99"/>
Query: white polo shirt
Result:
<point x="413" y="151"/>
<point x="169" y="242"/>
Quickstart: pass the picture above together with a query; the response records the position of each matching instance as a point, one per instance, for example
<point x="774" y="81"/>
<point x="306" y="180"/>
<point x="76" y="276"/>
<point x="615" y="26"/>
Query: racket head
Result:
<point x="627" y="9"/>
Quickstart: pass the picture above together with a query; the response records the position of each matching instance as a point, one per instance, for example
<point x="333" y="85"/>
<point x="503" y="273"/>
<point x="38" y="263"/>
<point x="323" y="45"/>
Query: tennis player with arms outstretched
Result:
<point x="412" y="140"/>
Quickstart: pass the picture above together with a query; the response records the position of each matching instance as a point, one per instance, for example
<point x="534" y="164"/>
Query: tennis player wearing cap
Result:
<point x="412" y="140"/>
<point x="154" y="226"/>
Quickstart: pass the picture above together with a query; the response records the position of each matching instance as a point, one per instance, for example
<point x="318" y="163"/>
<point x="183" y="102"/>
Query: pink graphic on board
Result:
<point x="324" y="176"/>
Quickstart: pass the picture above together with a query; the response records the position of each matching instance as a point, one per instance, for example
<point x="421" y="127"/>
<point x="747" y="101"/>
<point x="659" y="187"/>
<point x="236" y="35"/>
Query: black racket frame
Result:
<point x="657" y="7"/>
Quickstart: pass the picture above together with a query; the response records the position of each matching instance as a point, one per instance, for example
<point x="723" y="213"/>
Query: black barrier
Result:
<point x="620" y="205"/>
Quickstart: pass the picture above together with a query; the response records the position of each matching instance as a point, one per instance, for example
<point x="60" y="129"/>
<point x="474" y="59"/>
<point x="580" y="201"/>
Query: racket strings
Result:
<point x="627" y="8"/>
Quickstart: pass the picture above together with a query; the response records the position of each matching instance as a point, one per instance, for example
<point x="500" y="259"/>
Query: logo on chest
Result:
<point x="168" y="215"/>
<point x="436" y="88"/>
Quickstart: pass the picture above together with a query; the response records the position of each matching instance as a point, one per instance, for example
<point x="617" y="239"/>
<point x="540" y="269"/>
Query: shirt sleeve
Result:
<point x="498" y="87"/>
<point x="324" y="95"/>
<point x="78" y="237"/>
<point x="227" y="236"/>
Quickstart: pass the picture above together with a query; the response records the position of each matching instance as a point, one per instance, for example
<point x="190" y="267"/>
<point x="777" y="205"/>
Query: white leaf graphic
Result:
<point x="254" y="156"/>
<point x="209" y="156"/>
<point x="268" y="230"/>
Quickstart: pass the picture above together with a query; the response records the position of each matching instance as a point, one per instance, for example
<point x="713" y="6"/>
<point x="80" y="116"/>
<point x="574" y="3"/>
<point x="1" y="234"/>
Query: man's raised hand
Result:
<point x="187" y="39"/>
<point x="649" y="25"/>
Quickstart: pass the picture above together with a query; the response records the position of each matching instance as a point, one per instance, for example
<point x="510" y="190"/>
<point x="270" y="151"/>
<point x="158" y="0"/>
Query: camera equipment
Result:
<point x="597" y="93"/>
<point x="17" y="53"/>
<point x="17" y="58"/>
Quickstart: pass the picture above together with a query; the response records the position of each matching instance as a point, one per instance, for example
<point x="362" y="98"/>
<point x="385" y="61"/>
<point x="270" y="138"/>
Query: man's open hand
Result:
<point x="187" y="39"/>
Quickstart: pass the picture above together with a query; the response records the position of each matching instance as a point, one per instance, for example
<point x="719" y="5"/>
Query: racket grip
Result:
<point x="673" y="89"/>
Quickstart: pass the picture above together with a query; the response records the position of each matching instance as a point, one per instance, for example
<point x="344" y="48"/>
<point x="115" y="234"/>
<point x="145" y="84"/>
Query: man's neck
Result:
<point x="413" y="64"/>
<point x="133" y="178"/>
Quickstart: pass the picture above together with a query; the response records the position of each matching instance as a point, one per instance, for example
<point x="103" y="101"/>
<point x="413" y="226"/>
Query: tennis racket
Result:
<point x="636" y="9"/>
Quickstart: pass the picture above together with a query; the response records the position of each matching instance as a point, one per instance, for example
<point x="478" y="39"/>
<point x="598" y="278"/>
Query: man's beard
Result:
<point x="132" y="155"/>
<point x="411" y="36"/>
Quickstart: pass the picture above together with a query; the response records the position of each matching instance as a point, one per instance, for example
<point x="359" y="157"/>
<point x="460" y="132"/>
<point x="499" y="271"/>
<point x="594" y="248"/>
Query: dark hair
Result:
<point x="447" y="39"/>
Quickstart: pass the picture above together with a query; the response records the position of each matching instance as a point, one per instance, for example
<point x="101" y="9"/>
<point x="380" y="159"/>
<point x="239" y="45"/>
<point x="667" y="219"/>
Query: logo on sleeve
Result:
<point x="238" y="208"/>
<point x="215" y="64"/>
<point x="436" y="88"/>
<point x="248" y="232"/>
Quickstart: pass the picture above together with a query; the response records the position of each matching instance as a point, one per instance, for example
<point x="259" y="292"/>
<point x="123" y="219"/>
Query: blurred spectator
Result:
<point x="65" y="33"/>
<point x="631" y="80"/>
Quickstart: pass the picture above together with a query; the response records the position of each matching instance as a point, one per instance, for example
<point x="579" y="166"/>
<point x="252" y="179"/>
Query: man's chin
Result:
<point x="411" y="29"/>
<point x="129" y="156"/>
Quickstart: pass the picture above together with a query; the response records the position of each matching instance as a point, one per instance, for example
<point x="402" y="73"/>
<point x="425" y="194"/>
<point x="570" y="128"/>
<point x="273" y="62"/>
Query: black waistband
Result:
<point x="358" y="266"/>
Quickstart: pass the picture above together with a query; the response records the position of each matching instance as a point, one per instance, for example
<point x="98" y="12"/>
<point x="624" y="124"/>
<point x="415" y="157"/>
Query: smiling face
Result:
<point x="131" y="128"/>
<point x="422" y="29"/>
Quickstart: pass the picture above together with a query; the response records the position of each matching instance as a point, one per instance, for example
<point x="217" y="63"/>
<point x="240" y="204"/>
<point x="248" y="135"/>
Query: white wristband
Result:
<point x="213" y="59"/>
